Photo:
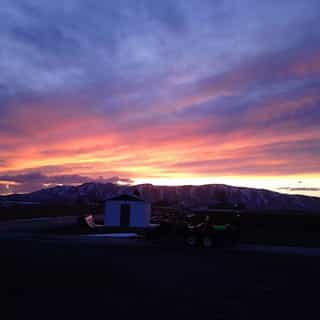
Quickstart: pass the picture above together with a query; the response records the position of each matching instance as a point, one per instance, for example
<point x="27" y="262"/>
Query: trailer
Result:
<point x="194" y="230"/>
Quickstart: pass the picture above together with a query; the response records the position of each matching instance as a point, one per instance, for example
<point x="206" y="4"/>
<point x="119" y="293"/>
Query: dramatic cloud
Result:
<point x="159" y="91"/>
<point x="36" y="180"/>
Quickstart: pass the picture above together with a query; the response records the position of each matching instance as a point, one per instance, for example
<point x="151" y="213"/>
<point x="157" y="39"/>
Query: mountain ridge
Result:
<point x="186" y="195"/>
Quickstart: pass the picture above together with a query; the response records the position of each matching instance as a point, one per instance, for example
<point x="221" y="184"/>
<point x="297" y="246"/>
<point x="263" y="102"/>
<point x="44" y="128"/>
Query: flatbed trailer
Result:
<point x="192" y="230"/>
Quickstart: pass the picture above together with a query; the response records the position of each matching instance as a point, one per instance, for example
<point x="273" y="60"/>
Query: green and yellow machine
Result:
<point x="198" y="230"/>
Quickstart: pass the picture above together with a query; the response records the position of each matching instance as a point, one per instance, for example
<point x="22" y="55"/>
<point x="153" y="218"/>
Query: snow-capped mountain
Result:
<point x="189" y="196"/>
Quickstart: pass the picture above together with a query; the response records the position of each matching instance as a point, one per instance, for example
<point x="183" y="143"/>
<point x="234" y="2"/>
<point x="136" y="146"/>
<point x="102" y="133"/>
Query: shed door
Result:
<point x="125" y="215"/>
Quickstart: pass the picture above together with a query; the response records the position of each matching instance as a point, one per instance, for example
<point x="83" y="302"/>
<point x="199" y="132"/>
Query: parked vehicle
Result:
<point x="196" y="230"/>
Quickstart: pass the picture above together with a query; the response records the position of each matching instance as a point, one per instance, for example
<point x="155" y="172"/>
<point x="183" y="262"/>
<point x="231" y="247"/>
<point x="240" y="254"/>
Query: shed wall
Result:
<point x="139" y="213"/>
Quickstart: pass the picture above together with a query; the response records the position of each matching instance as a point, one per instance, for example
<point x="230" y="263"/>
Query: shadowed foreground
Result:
<point x="67" y="278"/>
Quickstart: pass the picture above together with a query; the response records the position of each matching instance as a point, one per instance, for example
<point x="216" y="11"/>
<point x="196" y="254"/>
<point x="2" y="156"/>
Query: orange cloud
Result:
<point x="69" y="136"/>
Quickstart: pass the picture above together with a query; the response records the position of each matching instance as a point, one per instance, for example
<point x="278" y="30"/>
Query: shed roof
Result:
<point x="125" y="197"/>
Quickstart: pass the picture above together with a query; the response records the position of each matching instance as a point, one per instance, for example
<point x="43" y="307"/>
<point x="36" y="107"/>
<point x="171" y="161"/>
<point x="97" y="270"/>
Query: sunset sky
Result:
<point x="166" y="92"/>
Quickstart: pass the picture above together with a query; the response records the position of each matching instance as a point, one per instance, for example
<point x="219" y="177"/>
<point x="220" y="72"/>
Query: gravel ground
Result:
<point x="71" y="278"/>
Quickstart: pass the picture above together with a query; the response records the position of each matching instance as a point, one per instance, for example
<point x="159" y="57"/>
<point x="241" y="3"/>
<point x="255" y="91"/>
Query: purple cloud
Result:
<point x="141" y="84"/>
<point x="32" y="181"/>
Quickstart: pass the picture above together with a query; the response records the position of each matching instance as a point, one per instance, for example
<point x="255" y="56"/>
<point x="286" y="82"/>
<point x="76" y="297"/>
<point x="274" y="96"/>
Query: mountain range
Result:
<point x="188" y="196"/>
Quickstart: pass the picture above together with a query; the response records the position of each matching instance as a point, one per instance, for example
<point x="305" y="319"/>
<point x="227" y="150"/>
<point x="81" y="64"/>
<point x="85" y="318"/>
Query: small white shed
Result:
<point x="127" y="211"/>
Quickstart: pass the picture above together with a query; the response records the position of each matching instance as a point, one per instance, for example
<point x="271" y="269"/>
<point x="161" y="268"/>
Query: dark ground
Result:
<point x="102" y="279"/>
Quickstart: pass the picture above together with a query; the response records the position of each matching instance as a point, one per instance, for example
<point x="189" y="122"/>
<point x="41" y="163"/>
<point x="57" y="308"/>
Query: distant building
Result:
<point x="127" y="211"/>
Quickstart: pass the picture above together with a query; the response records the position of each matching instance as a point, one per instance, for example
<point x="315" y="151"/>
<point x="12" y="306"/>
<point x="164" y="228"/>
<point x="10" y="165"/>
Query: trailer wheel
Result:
<point x="190" y="240"/>
<point x="207" y="241"/>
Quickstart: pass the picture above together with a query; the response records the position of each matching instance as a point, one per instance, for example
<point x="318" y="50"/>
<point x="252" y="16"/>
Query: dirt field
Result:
<point x="70" y="278"/>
